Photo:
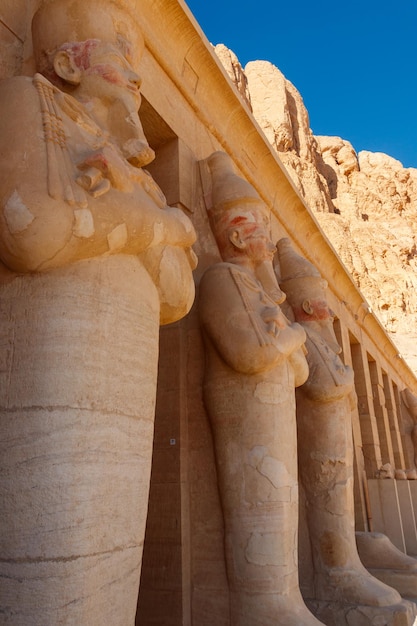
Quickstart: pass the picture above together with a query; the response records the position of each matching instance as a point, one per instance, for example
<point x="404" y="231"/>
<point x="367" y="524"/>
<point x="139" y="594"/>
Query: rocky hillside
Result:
<point x="366" y="203"/>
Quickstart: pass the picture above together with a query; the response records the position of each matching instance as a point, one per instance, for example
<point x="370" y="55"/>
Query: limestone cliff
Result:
<point x="366" y="203"/>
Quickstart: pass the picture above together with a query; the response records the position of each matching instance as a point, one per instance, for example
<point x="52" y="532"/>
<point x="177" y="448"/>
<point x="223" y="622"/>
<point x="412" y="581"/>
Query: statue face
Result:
<point x="324" y="317"/>
<point x="100" y="76"/>
<point x="321" y="311"/>
<point x="251" y="237"/>
<point x="109" y="77"/>
<point x="259" y="247"/>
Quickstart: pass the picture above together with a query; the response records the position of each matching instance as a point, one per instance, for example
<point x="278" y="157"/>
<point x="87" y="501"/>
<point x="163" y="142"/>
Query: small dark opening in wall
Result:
<point x="156" y="130"/>
<point x="365" y="217"/>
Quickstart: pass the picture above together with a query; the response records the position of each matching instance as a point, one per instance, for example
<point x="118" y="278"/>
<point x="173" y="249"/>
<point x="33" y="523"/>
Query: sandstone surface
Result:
<point x="254" y="360"/>
<point x="84" y="287"/>
<point x="366" y="203"/>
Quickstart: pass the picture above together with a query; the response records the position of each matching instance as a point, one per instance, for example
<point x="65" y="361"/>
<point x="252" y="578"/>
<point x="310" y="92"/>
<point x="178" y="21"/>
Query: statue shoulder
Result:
<point x="216" y="284"/>
<point x="33" y="226"/>
<point x="219" y="268"/>
<point x="213" y="273"/>
<point x="20" y="115"/>
<point x="329" y="379"/>
<point x="225" y="271"/>
<point x="19" y="96"/>
<point x="225" y="283"/>
<point x="16" y="83"/>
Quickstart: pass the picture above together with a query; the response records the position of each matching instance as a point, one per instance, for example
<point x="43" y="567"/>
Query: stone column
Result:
<point x="92" y="260"/>
<point x="77" y="405"/>
<point x="254" y="361"/>
<point x="343" y="588"/>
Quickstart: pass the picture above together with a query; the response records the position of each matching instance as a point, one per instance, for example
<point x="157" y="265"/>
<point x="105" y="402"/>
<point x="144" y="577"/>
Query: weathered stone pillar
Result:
<point x="92" y="260"/>
<point x="254" y="360"/>
<point x="344" y="591"/>
<point x="77" y="406"/>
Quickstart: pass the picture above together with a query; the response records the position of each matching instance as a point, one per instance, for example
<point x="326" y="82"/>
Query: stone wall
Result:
<point x="15" y="41"/>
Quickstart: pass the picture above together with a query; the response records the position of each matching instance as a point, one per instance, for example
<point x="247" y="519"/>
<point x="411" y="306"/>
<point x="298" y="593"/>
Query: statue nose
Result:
<point x="135" y="79"/>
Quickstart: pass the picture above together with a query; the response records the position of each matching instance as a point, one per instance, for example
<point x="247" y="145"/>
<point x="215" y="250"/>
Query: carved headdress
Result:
<point x="230" y="200"/>
<point x="299" y="278"/>
<point x="81" y="25"/>
<point x="62" y="21"/>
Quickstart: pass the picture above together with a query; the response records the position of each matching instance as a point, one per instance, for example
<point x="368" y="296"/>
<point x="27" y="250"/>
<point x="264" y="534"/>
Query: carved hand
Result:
<point x="103" y="169"/>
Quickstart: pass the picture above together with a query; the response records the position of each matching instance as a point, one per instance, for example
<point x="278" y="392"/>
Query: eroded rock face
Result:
<point x="280" y="112"/>
<point x="375" y="233"/>
<point x="234" y="69"/>
<point x="366" y="203"/>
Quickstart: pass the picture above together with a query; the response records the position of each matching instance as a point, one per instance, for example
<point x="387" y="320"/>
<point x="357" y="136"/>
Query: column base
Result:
<point x="272" y="609"/>
<point x="341" y="614"/>
<point x="385" y="562"/>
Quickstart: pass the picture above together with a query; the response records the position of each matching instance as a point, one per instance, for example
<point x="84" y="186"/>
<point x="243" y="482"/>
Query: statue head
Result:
<point x="306" y="292"/>
<point x="92" y="49"/>
<point x="60" y="22"/>
<point x="239" y="219"/>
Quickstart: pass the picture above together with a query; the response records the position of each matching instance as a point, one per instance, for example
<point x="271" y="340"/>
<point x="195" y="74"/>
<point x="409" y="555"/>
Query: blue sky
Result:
<point x="354" y="63"/>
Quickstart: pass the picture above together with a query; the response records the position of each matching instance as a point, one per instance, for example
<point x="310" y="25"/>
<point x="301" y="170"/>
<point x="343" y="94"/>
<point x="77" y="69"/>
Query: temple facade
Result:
<point x="190" y="110"/>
